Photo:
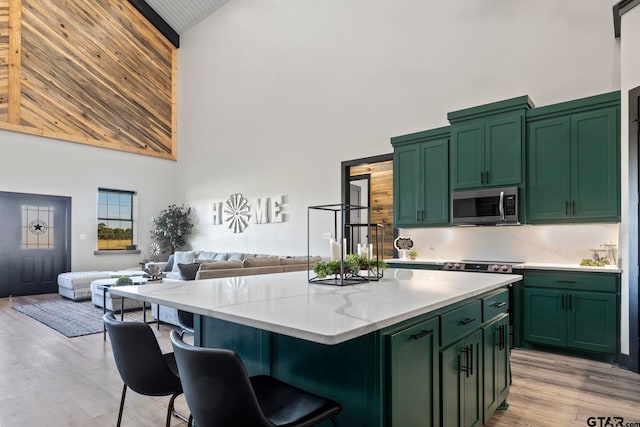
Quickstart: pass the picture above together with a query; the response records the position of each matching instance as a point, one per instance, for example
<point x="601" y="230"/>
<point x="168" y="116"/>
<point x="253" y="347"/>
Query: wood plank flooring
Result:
<point x="49" y="380"/>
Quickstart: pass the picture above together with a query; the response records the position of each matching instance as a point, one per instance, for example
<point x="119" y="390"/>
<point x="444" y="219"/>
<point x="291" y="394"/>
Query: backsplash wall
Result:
<point x="565" y="244"/>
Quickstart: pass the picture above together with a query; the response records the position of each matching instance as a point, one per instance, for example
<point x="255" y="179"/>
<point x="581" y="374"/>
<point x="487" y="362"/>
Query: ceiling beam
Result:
<point x="619" y="9"/>
<point x="157" y="21"/>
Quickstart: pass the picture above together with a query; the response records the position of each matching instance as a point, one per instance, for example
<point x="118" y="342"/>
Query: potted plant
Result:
<point x="123" y="281"/>
<point x="413" y="254"/>
<point x="171" y="227"/>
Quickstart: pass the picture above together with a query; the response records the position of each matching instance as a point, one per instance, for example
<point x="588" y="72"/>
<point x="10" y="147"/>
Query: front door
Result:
<point x="35" y="242"/>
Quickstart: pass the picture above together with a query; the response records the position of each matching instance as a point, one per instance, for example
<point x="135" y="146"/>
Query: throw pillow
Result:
<point x="180" y="257"/>
<point x="188" y="271"/>
<point x="169" y="265"/>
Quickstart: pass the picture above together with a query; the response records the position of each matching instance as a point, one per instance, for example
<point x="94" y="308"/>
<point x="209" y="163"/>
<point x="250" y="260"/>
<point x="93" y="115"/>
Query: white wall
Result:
<point x="31" y="164"/>
<point x="630" y="78"/>
<point x="273" y="95"/>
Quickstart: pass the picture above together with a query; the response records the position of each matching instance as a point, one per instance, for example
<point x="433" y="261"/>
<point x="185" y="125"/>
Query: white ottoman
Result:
<point x="75" y="285"/>
<point x="113" y="302"/>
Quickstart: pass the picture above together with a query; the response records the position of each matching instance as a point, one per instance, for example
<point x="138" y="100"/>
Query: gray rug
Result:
<point x="72" y="319"/>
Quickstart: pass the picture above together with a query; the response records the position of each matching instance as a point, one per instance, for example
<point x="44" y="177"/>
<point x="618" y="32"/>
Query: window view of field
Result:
<point x="115" y="219"/>
<point x="113" y="238"/>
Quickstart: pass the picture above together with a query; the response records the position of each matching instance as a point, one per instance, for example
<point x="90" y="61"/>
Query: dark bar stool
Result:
<point x="219" y="392"/>
<point x="140" y="362"/>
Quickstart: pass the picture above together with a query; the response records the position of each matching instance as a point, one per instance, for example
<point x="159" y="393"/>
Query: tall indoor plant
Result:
<point x="171" y="227"/>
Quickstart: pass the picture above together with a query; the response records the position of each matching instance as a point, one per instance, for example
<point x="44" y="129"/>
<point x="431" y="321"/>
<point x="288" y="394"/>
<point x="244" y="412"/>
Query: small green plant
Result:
<point x="352" y="264"/>
<point x="123" y="281"/>
<point x="413" y="253"/>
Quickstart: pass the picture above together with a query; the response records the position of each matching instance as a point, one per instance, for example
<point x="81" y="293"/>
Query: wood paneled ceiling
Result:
<point x="184" y="14"/>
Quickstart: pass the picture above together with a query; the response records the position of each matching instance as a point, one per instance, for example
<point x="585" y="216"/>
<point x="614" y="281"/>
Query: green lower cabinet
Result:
<point x="495" y="360"/>
<point x="580" y="320"/>
<point x="414" y="381"/>
<point x="591" y="321"/>
<point x="461" y="382"/>
<point x="414" y="265"/>
<point x="544" y="316"/>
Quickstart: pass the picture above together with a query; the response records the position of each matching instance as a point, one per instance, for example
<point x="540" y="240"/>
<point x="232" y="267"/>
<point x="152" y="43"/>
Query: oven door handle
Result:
<point x="501" y="206"/>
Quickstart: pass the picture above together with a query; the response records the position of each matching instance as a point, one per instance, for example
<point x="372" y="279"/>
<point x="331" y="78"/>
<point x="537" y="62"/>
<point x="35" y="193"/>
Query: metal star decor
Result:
<point x="38" y="227"/>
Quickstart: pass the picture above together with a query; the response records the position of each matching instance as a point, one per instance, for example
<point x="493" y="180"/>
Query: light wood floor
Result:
<point x="49" y="380"/>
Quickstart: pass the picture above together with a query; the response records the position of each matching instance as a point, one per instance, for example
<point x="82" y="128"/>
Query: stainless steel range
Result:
<point x="481" y="266"/>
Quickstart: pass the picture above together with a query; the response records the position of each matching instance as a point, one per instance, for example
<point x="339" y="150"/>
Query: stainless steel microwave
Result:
<point x="490" y="206"/>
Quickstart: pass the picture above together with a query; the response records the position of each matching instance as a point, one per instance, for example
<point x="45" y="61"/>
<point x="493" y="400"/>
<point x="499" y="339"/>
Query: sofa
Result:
<point x="200" y="265"/>
<point x="197" y="265"/>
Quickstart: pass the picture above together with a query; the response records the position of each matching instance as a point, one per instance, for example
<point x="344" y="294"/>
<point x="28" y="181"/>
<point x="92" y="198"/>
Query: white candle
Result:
<point x="365" y="251"/>
<point x="334" y="247"/>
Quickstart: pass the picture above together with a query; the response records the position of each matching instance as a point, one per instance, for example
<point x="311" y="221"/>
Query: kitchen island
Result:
<point x="386" y="350"/>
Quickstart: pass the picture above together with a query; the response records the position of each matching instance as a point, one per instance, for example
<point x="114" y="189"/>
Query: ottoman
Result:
<point x="113" y="302"/>
<point x="75" y="285"/>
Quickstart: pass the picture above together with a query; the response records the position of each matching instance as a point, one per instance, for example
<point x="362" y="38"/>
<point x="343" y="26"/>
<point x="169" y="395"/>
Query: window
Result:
<point x="115" y="219"/>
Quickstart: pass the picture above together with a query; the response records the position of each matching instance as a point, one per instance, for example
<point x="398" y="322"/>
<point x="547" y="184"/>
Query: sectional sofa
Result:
<point x="195" y="265"/>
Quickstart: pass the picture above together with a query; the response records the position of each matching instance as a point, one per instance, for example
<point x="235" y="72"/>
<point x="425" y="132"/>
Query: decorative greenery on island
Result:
<point x="171" y="227"/>
<point x="123" y="281"/>
<point x="352" y="264"/>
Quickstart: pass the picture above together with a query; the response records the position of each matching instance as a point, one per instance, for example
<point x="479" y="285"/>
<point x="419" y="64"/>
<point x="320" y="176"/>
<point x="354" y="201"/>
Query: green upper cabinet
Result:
<point x="421" y="178"/>
<point x="573" y="159"/>
<point x="487" y="144"/>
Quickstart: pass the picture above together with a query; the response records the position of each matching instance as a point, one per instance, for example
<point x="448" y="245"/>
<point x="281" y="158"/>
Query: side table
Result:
<point x="105" y="288"/>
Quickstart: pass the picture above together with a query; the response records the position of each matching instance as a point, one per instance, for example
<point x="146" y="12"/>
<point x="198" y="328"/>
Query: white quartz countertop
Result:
<point x="523" y="266"/>
<point x="287" y="304"/>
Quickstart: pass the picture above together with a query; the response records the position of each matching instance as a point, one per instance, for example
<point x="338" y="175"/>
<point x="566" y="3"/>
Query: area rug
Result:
<point x="72" y="319"/>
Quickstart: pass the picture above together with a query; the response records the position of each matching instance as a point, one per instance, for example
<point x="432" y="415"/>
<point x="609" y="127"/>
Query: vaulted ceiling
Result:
<point x="184" y="14"/>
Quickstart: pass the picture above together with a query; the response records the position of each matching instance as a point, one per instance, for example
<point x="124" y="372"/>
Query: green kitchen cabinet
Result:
<point x="414" y="265"/>
<point x="544" y="316"/>
<point x="576" y="311"/>
<point x="495" y="360"/>
<point x="421" y="178"/>
<point x="461" y="383"/>
<point x="487" y="144"/>
<point x="414" y="391"/>
<point x="573" y="161"/>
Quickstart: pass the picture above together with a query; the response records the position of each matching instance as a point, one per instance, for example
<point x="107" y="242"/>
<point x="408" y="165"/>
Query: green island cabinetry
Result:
<point x="421" y="178"/>
<point x="474" y="360"/>
<point x="487" y="144"/>
<point x="414" y="391"/>
<point x="573" y="161"/>
<point x="448" y="367"/>
<point x="574" y="311"/>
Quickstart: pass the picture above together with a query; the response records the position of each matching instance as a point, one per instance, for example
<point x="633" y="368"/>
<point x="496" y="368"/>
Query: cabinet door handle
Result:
<point x="481" y="177"/>
<point x="499" y="304"/>
<point x="566" y="208"/>
<point x="573" y="207"/>
<point x="422" y="334"/>
<point x="471" y="358"/>
<point x="486" y="178"/>
<point x="565" y="281"/>
<point x="467" y="321"/>
<point x="465" y="369"/>
<point x="569" y="302"/>
<point x="562" y="303"/>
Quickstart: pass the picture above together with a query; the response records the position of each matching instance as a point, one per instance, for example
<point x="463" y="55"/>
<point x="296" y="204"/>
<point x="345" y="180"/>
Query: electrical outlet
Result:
<point x="326" y="235"/>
